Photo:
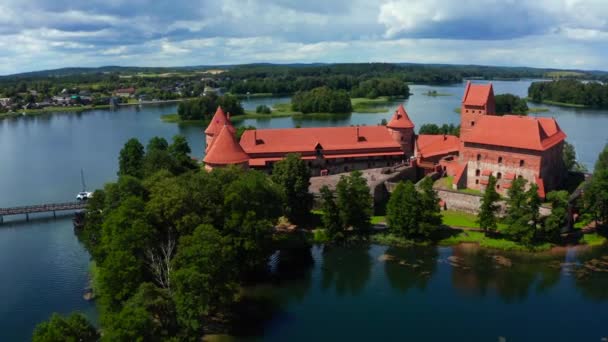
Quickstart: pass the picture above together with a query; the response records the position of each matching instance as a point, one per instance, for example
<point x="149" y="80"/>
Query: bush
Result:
<point x="263" y="109"/>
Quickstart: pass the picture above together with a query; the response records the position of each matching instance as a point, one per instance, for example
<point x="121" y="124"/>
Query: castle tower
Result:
<point x="401" y="129"/>
<point x="478" y="100"/>
<point x="225" y="150"/>
<point x="219" y="120"/>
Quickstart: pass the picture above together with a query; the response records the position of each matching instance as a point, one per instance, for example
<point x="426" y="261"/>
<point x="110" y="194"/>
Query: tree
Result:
<point x="262" y="109"/>
<point x="73" y="328"/>
<point x="430" y="218"/>
<point x="402" y="210"/>
<point x="602" y="160"/>
<point x="204" y="278"/>
<point x="332" y="220"/>
<point x="354" y="201"/>
<point x="322" y="100"/>
<point x="293" y="175"/>
<point x="522" y="212"/>
<point x="487" y="212"/>
<point x="516" y="202"/>
<point x="131" y="159"/>
<point x="558" y="218"/>
<point x="569" y="155"/>
<point x="157" y="143"/>
<point x="147" y="316"/>
<point x="510" y="104"/>
<point x="596" y="195"/>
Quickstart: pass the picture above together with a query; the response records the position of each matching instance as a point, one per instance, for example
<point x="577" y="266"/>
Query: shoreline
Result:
<point x="80" y="109"/>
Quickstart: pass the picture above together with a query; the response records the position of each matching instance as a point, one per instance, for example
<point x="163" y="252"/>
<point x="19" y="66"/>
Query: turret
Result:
<point x="401" y="129"/>
<point x="478" y="100"/>
<point x="219" y="120"/>
<point x="225" y="150"/>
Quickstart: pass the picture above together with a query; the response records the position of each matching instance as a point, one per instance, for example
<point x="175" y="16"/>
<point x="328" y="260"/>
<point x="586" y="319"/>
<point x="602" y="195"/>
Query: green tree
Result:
<point x="157" y="143"/>
<point x="558" y="218"/>
<point x="522" y="212"/>
<point x="131" y="159"/>
<point x="73" y="328"/>
<point x="354" y="201"/>
<point x="147" y="316"/>
<point x="510" y="104"/>
<point x="263" y="109"/>
<point x="293" y="175"/>
<point x="569" y="155"/>
<point x="596" y="195"/>
<point x="402" y="210"/>
<point x="602" y="160"/>
<point x="430" y="212"/>
<point x="486" y="218"/>
<point x="332" y="221"/>
<point x="516" y="202"/>
<point x="205" y="277"/>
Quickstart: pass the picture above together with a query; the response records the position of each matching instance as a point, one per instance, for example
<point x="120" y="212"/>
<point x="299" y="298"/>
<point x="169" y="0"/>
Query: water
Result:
<point x="437" y="294"/>
<point x="44" y="269"/>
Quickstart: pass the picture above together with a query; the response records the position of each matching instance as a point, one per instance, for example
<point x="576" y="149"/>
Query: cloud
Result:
<point x="59" y="33"/>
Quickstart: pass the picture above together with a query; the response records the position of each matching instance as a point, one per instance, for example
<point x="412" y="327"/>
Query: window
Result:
<point x="499" y="175"/>
<point x="466" y="111"/>
<point x="521" y="163"/>
<point x="477" y="172"/>
<point x="499" y="160"/>
<point x="472" y="123"/>
<point x="477" y="181"/>
<point x="478" y="157"/>
<point x="497" y="186"/>
<point x="402" y="138"/>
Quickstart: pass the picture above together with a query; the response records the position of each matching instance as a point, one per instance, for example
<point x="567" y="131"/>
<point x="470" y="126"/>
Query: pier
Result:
<point x="41" y="208"/>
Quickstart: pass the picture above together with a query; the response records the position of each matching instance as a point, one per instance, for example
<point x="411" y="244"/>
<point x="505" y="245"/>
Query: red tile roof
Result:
<point x="400" y="119"/>
<point x="218" y="121"/>
<point x="225" y="150"/>
<point x="433" y="145"/>
<point x="477" y="94"/>
<point x="345" y="140"/>
<point x="516" y="131"/>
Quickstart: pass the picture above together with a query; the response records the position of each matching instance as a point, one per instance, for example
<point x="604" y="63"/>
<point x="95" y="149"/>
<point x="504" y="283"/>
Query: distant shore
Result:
<point x="80" y="109"/>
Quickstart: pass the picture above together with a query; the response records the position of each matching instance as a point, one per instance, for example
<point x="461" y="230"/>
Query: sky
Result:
<point x="48" y="34"/>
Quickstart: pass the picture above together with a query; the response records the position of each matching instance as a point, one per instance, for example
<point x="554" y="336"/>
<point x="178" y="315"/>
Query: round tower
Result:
<point x="401" y="129"/>
<point x="219" y="120"/>
<point x="225" y="150"/>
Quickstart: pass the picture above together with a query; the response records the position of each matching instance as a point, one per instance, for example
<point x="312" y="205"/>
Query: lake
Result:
<point x="44" y="269"/>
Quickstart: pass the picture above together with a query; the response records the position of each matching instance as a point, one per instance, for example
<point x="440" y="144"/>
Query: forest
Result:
<point x="573" y="92"/>
<point x="322" y="100"/>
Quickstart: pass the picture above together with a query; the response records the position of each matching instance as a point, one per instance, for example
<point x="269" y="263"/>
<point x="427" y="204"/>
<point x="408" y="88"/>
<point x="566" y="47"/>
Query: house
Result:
<point x="126" y="92"/>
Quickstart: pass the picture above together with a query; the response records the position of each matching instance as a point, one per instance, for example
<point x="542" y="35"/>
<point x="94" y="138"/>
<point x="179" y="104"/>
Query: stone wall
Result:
<point x="470" y="203"/>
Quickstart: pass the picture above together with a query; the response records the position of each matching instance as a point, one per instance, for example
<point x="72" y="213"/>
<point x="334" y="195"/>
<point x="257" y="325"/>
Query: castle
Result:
<point x="507" y="147"/>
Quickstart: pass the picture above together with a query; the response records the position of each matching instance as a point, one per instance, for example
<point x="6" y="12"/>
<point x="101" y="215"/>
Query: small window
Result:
<point x="472" y="123"/>
<point x="477" y="172"/>
<point x="521" y="163"/>
<point x="466" y="111"/>
<point x="478" y="157"/>
<point x="499" y="160"/>
<point x="477" y="181"/>
<point x="497" y="186"/>
<point x="499" y="175"/>
<point x="520" y="177"/>
<point x="402" y="139"/>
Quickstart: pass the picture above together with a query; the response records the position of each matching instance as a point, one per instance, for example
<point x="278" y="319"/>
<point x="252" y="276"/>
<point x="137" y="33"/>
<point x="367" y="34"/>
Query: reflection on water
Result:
<point x="345" y="270"/>
<point x="430" y="293"/>
<point x="409" y="267"/>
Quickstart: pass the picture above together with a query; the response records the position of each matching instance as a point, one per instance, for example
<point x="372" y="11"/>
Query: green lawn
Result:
<point x="487" y="242"/>
<point x="561" y="104"/>
<point x="593" y="239"/>
<point x="378" y="219"/>
<point x="459" y="219"/>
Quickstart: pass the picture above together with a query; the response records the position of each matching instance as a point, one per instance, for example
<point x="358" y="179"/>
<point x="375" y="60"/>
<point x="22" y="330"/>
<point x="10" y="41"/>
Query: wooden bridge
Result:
<point x="42" y="208"/>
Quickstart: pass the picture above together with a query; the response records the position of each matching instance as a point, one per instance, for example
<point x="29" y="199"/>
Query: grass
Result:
<point x="460" y="219"/>
<point x="378" y="219"/>
<point x="560" y="104"/>
<point x="593" y="239"/>
<point x="434" y="93"/>
<point x="557" y="74"/>
<point x="493" y="243"/>
<point x="365" y="105"/>
<point x="445" y="183"/>
<point x="174" y="118"/>
<point x="538" y="110"/>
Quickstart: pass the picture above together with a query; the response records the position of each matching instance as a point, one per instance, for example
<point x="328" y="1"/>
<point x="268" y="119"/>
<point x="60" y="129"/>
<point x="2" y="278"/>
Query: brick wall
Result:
<point x="470" y="203"/>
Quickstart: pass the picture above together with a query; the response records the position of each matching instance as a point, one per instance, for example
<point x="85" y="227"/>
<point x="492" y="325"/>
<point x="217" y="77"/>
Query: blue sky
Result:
<point x="44" y="34"/>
